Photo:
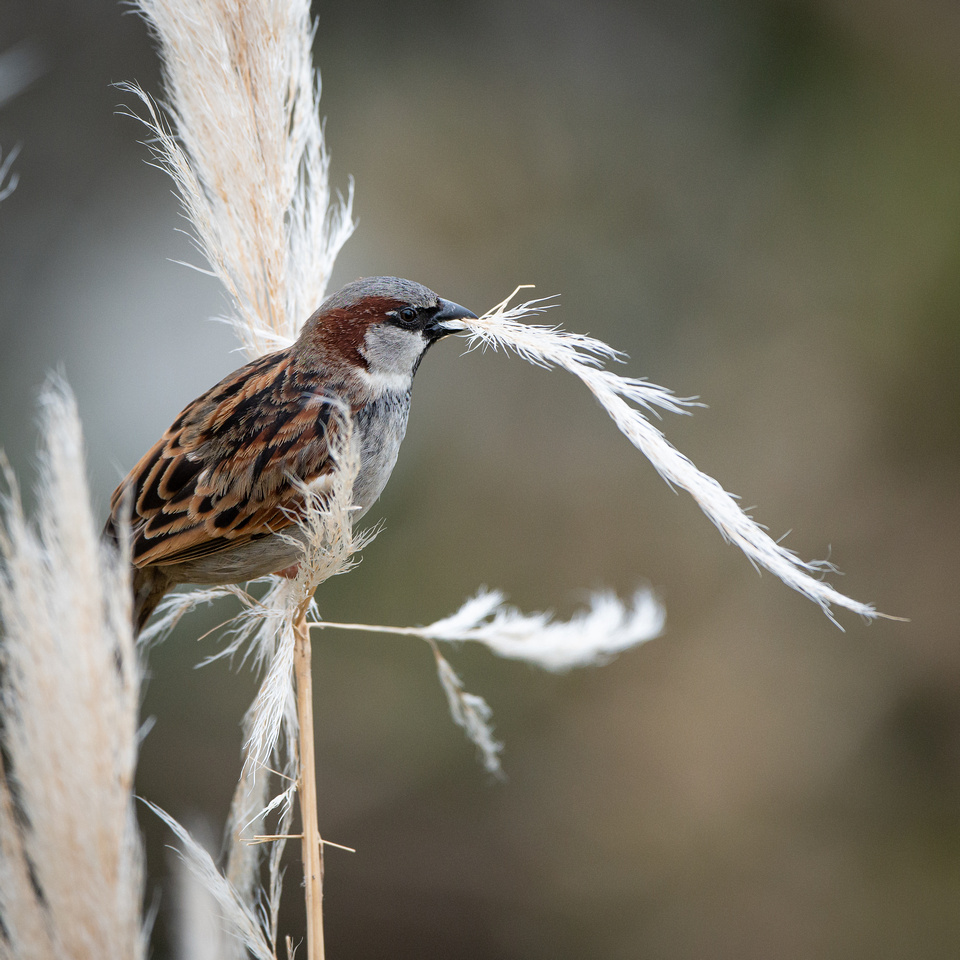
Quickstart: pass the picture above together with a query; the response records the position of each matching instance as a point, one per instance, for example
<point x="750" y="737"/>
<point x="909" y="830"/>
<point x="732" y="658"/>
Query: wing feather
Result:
<point x="221" y="474"/>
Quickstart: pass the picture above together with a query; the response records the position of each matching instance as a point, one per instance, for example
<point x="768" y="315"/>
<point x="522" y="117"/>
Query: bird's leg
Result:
<point x="288" y="573"/>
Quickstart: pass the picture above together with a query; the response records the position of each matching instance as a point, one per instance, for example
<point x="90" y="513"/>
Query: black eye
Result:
<point x="407" y="314"/>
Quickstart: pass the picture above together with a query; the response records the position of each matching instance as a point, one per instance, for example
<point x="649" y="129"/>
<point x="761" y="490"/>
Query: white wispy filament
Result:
<point x="470" y="712"/>
<point x="625" y="399"/>
<point x="248" y="925"/>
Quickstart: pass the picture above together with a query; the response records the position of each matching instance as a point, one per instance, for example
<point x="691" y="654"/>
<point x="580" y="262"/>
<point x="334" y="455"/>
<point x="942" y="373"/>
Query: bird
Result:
<point x="214" y="501"/>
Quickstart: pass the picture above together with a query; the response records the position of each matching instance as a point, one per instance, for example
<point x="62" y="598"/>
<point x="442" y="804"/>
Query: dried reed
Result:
<point x="71" y="874"/>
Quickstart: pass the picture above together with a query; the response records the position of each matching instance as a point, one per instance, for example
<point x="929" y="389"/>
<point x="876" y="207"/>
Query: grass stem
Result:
<point x="312" y="844"/>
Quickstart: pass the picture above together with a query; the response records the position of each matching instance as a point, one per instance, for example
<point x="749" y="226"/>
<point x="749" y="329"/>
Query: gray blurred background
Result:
<point x="760" y="203"/>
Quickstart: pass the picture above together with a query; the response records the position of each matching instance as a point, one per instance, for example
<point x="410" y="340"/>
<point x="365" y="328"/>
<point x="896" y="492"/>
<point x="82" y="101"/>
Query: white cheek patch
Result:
<point x="392" y="354"/>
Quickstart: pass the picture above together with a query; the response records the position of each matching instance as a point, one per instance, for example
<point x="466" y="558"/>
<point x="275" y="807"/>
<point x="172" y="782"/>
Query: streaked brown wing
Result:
<point x="219" y="476"/>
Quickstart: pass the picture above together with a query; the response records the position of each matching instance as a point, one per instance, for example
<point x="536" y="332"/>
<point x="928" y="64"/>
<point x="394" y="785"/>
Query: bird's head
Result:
<point x="382" y="326"/>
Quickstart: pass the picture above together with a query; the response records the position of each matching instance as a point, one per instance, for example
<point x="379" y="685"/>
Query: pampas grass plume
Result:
<point x="71" y="866"/>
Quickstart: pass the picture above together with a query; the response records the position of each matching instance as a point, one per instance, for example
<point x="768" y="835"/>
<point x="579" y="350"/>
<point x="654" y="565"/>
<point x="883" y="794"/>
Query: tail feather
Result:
<point x="149" y="587"/>
<point x="149" y="583"/>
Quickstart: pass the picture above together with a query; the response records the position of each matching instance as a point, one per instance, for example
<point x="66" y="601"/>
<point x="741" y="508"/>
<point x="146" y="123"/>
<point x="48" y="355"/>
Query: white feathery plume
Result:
<point x="583" y="356"/>
<point x="246" y="820"/>
<point x="591" y="637"/>
<point x="71" y="871"/>
<point x="241" y="136"/>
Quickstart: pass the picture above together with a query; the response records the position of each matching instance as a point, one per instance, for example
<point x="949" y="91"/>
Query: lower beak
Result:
<point x="448" y="319"/>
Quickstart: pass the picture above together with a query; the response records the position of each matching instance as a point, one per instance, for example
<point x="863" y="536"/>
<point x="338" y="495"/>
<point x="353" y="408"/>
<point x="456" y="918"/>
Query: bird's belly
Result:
<point x="247" y="561"/>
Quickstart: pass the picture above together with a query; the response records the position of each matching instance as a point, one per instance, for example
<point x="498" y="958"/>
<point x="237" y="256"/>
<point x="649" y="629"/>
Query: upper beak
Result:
<point x="444" y="320"/>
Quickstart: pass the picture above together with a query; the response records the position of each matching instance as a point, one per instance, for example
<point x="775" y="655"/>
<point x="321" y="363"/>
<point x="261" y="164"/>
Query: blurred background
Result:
<point x="760" y="203"/>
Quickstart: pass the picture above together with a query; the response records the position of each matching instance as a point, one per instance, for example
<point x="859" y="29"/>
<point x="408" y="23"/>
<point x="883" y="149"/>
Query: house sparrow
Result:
<point x="206" y="502"/>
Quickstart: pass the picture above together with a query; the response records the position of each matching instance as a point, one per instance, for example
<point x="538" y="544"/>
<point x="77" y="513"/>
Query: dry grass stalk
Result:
<point x="307" y="786"/>
<point x="71" y="874"/>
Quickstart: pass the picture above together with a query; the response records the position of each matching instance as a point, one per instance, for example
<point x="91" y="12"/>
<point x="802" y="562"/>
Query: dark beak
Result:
<point x="444" y="321"/>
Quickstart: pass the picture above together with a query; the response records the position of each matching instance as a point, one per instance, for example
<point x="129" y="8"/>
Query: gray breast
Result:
<point x="380" y="426"/>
